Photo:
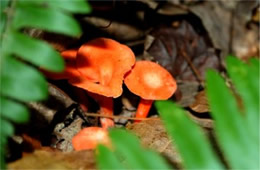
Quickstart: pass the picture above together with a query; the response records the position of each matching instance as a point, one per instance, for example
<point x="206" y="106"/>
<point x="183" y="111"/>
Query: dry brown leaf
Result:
<point x="121" y="31"/>
<point x="226" y="23"/>
<point x="188" y="91"/>
<point x="200" y="104"/>
<point x="42" y="159"/>
<point x="182" y="51"/>
<point x="153" y="135"/>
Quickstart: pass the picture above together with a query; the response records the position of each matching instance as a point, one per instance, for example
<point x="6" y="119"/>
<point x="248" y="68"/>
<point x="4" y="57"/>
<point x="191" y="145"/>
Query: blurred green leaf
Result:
<point x="127" y="145"/>
<point x="78" y="6"/>
<point x="254" y="63"/>
<point x="49" y="19"/>
<point x="21" y="81"/>
<point x="107" y="159"/>
<point x="233" y="133"/>
<point x="34" y="51"/>
<point x="3" y="5"/>
<point x="193" y="146"/>
<point x="128" y="149"/>
<point x="2" y="163"/>
<point x="6" y="129"/>
<point x="246" y="80"/>
<point x="14" y="111"/>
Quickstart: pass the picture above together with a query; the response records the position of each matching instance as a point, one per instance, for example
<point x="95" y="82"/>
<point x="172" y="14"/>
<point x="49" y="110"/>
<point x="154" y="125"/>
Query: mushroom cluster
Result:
<point x="99" y="67"/>
<point x="94" y="68"/>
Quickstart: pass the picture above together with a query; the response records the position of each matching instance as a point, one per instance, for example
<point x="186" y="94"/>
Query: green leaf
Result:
<point x="50" y="19"/>
<point x="14" y="111"/>
<point x="246" y="81"/>
<point x="78" y="6"/>
<point x="3" y="5"/>
<point x="128" y="147"/>
<point x="107" y="159"/>
<point x="2" y="157"/>
<point x="254" y="63"/>
<point x="193" y="146"/>
<point x="21" y="81"/>
<point x="231" y="129"/>
<point x="6" y="129"/>
<point x="34" y="51"/>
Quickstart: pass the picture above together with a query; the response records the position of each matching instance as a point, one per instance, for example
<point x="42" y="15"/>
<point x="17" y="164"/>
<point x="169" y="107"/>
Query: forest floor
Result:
<point x="185" y="37"/>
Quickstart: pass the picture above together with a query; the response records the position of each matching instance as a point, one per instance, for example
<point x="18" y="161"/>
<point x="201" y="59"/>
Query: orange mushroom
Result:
<point x="98" y="67"/>
<point x="151" y="82"/>
<point x="102" y="64"/>
<point x="89" y="138"/>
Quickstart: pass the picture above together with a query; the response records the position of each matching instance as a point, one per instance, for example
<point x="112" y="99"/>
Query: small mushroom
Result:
<point x="151" y="82"/>
<point x="89" y="138"/>
<point x="102" y="64"/>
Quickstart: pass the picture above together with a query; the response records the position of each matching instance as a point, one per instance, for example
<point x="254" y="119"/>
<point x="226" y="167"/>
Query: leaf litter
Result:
<point x="179" y="35"/>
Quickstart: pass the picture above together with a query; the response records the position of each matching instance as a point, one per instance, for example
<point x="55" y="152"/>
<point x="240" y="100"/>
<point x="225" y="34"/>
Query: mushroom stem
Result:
<point x="143" y="108"/>
<point x="106" y="108"/>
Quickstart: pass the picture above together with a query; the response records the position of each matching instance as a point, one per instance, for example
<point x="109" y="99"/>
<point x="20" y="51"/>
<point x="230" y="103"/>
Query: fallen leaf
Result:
<point x="173" y="45"/>
<point x="201" y="103"/>
<point x="42" y="159"/>
<point x="152" y="135"/>
<point x="188" y="91"/>
<point x="226" y="24"/>
<point x="119" y="30"/>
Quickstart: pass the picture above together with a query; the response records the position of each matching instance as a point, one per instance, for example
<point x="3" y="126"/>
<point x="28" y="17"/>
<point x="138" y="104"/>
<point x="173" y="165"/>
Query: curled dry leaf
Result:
<point x="170" y="9"/>
<point x="187" y="91"/>
<point x="200" y="104"/>
<point x="206" y="123"/>
<point x="121" y="31"/>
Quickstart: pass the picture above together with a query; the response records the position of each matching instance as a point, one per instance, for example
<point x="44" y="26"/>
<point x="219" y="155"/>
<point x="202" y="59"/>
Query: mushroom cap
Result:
<point x="150" y="81"/>
<point x="70" y="69"/>
<point x="103" y="63"/>
<point x="89" y="138"/>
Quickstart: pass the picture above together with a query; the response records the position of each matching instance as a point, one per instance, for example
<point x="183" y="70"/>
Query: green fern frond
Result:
<point x="20" y="81"/>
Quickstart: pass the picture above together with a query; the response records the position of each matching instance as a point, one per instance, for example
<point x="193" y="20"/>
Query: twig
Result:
<point x="193" y="68"/>
<point x="118" y="117"/>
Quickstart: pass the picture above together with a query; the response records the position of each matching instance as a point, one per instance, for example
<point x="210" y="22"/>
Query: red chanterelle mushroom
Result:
<point x="98" y="67"/>
<point x="102" y="64"/>
<point x="151" y="82"/>
<point x="89" y="138"/>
